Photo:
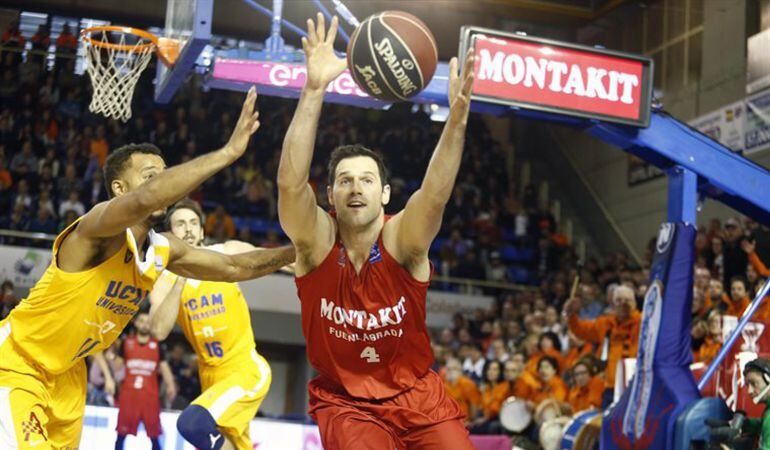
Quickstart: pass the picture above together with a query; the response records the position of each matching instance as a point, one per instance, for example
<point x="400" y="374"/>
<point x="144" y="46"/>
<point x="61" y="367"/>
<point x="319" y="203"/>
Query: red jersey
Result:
<point x="141" y="368"/>
<point x="366" y="332"/>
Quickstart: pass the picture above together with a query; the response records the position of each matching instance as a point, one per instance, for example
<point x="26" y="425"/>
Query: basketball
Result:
<point x="392" y="55"/>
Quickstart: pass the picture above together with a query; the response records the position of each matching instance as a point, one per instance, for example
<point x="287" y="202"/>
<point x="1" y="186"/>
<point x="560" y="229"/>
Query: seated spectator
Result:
<point x="622" y="327"/>
<point x="496" y="270"/>
<point x="498" y="351"/>
<point x="492" y="398"/>
<point x="44" y="201"/>
<point x="70" y="182"/>
<point x="461" y="388"/>
<point x="43" y="223"/>
<point x="66" y="42"/>
<point x="23" y="196"/>
<point x="578" y="348"/>
<point x="548" y="345"/>
<point x="550" y="384"/>
<point x="95" y="191"/>
<point x="713" y="341"/>
<point x="587" y="389"/>
<point x="219" y="225"/>
<point x="738" y="300"/>
<point x="17" y="221"/>
<point x="716" y="293"/>
<point x="518" y="382"/>
<point x="473" y="366"/>
<point x="72" y="203"/>
<point x="99" y="147"/>
<point x="25" y="161"/>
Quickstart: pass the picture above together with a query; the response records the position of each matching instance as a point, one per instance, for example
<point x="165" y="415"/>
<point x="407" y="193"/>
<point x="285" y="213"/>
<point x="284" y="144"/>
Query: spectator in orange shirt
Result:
<point x="99" y="145"/>
<point x="461" y="388"/>
<point x="586" y="393"/>
<point x="493" y="392"/>
<point x="738" y="300"/>
<point x="550" y="384"/>
<point x="220" y="225"/>
<point x="517" y="382"/>
<point x="716" y="293"/>
<point x="66" y="42"/>
<point x="713" y="342"/>
<point x="578" y="348"/>
<point x="621" y="328"/>
<point x="13" y="40"/>
<point x="548" y="345"/>
<point x="759" y="268"/>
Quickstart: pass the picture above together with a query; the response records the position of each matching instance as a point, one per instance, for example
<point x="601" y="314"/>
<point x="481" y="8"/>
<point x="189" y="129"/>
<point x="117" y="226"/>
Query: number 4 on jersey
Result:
<point x="370" y="355"/>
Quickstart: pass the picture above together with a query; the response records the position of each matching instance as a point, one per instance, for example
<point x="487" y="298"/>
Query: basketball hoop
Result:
<point x="116" y="57"/>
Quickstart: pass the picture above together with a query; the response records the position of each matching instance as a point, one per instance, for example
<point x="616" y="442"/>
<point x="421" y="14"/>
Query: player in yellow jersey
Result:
<point x="215" y="319"/>
<point x="104" y="266"/>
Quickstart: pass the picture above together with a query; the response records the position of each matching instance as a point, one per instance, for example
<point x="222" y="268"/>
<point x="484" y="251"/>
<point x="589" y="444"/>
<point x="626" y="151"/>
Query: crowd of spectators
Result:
<point x="536" y="343"/>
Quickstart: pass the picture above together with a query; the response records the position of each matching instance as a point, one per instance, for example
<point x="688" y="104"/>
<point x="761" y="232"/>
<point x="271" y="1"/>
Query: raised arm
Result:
<point x="164" y="304"/>
<point x="307" y="225"/>
<point x="202" y="264"/>
<point x="165" y="187"/>
<point x="409" y="234"/>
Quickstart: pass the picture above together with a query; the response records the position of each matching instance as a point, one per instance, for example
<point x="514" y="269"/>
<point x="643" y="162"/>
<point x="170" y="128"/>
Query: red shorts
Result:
<point x="423" y="417"/>
<point x="134" y="409"/>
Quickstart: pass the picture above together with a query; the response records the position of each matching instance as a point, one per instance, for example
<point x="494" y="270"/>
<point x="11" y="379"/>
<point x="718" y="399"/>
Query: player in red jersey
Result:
<point x="138" y="399"/>
<point x="362" y="277"/>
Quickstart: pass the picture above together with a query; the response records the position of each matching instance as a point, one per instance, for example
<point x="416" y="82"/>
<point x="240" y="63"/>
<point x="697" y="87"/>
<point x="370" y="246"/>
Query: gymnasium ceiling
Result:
<point x="552" y="18"/>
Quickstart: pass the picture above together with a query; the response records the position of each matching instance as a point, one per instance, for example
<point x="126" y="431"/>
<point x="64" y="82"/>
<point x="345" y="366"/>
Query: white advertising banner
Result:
<point x="757" y="122"/>
<point x="725" y="125"/>
<point x="99" y="433"/>
<point x="23" y="266"/>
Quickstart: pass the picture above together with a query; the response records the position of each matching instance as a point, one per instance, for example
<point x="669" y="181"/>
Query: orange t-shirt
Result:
<point x="588" y="396"/>
<point x="708" y="350"/>
<point x="534" y="360"/>
<point x="554" y="388"/>
<point x="99" y="148"/>
<point x="736" y="308"/>
<point x="575" y="353"/>
<point x="492" y="398"/>
<point x="465" y="393"/>
<point x="623" y="338"/>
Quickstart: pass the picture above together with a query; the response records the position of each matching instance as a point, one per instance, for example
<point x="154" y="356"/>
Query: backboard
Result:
<point x="189" y="22"/>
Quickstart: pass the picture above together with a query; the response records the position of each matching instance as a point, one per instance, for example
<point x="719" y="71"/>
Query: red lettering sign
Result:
<point x="558" y="77"/>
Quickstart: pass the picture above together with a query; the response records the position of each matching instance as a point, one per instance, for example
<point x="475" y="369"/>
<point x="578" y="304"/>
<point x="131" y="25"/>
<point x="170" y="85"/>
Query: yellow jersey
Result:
<point x="214" y="317"/>
<point x="70" y="315"/>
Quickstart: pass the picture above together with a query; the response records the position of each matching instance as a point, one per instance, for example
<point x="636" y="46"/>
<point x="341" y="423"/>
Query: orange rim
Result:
<point x="166" y="50"/>
<point x="86" y="34"/>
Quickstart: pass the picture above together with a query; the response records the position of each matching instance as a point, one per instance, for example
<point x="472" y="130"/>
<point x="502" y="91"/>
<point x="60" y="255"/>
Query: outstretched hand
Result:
<point x="248" y="124"/>
<point x="323" y="65"/>
<point x="748" y="246"/>
<point x="461" y="86"/>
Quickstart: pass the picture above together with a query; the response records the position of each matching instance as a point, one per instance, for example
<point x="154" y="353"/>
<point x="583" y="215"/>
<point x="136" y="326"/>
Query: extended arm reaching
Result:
<point x="304" y="222"/>
<point x="202" y="264"/>
<point x="420" y="221"/>
<point x="114" y="216"/>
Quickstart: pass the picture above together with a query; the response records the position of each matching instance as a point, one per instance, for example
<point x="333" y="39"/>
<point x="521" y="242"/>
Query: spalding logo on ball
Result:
<point x="392" y="55"/>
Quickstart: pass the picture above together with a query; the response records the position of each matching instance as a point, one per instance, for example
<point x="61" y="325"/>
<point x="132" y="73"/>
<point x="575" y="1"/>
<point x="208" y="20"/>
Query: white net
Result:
<point x="114" y="68"/>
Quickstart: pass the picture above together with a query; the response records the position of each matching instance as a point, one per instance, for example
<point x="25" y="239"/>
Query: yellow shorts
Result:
<point x="232" y="394"/>
<point x="38" y="410"/>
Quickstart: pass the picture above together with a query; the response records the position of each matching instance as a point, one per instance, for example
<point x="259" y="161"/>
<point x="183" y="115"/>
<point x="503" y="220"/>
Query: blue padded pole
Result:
<point x="276" y="42"/>
<point x="268" y="13"/>
<point x="328" y="15"/>
<point x="712" y="368"/>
